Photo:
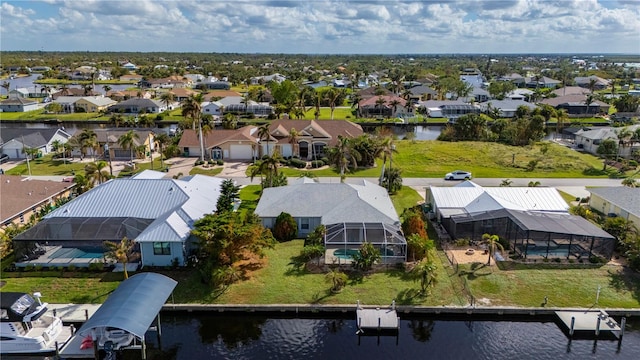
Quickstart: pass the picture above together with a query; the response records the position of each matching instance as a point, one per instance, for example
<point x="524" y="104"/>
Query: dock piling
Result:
<point x="623" y="322"/>
<point x="86" y="314"/>
<point x="598" y="325"/>
<point x="573" y="323"/>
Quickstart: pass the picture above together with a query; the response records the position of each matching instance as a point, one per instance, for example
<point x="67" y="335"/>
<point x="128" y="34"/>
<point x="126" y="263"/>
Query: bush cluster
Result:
<point x="297" y="163"/>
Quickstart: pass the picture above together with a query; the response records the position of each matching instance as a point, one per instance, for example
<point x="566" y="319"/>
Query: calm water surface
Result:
<point x="249" y="337"/>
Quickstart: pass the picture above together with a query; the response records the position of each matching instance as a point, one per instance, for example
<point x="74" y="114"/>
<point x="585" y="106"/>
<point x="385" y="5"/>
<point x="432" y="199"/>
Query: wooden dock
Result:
<point x="589" y="322"/>
<point x="378" y="319"/>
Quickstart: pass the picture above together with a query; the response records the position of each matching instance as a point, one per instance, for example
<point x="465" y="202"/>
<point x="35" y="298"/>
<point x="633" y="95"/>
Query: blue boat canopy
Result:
<point x="133" y="305"/>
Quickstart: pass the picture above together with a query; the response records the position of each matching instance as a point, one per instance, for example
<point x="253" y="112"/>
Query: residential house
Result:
<point x="215" y="85"/>
<point x="213" y="108"/>
<point x="507" y="108"/>
<point x="19" y="93"/>
<point x="74" y="92"/>
<point x="93" y="103"/>
<point x="353" y="214"/>
<point x="451" y="109"/>
<point x="215" y="95"/>
<point x="598" y="82"/>
<point x="239" y="144"/>
<point x="576" y="105"/>
<point x="24" y="197"/>
<point x="620" y="201"/>
<point x="535" y="220"/>
<point x="541" y="82"/>
<point x="422" y="92"/>
<point x="129" y="94"/>
<point x="129" y="66"/>
<point x="137" y="106"/>
<point x="478" y="94"/>
<point x="590" y="139"/>
<point x="165" y="83"/>
<point x="18" y="104"/>
<point x="261" y="80"/>
<point x="107" y="140"/>
<point x="382" y="106"/>
<point x="158" y="214"/>
<point x="373" y="91"/>
<point x="13" y="141"/>
<point x="243" y="144"/>
<point x="68" y="103"/>
<point x="195" y="78"/>
<point x="519" y="94"/>
<point x="182" y="94"/>
<point x="571" y="90"/>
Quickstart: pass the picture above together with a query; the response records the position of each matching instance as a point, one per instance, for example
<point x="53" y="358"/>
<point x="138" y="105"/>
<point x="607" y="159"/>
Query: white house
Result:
<point x="13" y="141"/>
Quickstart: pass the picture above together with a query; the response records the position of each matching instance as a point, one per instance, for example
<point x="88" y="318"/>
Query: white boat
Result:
<point x="26" y="328"/>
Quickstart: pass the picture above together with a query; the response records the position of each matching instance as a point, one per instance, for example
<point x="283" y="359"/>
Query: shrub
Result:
<point x="365" y="258"/>
<point x="462" y="242"/>
<point x="211" y="162"/>
<point x="159" y="117"/>
<point x="324" y="159"/>
<point x="285" y="227"/>
<point x="71" y="267"/>
<point x="413" y="223"/>
<point x="38" y="268"/>
<point x="317" y="164"/>
<point x="219" y="162"/>
<point x="297" y="163"/>
<point x="633" y="163"/>
<point x="199" y="162"/>
<point x="28" y="268"/>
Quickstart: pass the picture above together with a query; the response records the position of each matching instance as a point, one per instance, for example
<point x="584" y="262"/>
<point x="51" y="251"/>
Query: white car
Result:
<point x="458" y="175"/>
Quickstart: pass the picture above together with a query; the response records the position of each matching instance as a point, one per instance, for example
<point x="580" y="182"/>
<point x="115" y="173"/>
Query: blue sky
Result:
<point x="323" y="26"/>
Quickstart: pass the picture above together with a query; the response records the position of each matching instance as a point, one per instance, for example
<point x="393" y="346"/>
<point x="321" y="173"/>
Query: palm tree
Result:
<point x="6" y="85"/>
<point x="294" y="136"/>
<point x="167" y="98"/>
<point x="127" y="141"/>
<point x="88" y="139"/>
<point x="387" y="148"/>
<point x="394" y="105"/>
<point x="425" y="272"/>
<point x="493" y="242"/>
<point x="332" y="95"/>
<point x="162" y="140"/>
<point x="270" y="166"/>
<point x="56" y="146"/>
<point x="561" y="116"/>
<point x="337" y="278"/>
<point x="120" y="252"/>
<point x="88" y="88"/>
<point x="264" y="134"/>
<point x="533" y="183"/>
<point x="588" y="102"/>
<point x="106" y="89"/>
<point x="506" y="183"/>
<point x="592" y="85"/>
<point x="630" y="182"/>
<point x="95" y="173"/>
<point x="116" y="119"/>
<point x="343" y="154"/>
<point x="192" y="109"/>
<point x="380" y="101"/>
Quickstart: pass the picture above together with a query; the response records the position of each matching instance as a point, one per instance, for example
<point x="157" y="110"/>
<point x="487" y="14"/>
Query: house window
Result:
<point x="161" y="248"/>
<point x="304" y="223"/>
<point x="22" y="218"/>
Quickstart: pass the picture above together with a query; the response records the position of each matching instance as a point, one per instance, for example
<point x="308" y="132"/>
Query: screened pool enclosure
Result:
<point x="537" y="234"/>
<point x="342" y="240"/>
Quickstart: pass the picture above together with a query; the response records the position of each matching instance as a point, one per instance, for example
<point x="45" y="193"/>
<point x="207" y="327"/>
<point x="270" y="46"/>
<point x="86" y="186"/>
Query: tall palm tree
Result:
<point x="128" y="141"/>
<point x="163" y="141"/>
<point x="106" y="89"/>
<point x="380" y="101"/>
<point x="56" y="146"/>
<point x="121" y="252"/>
<point x="332" y="95"/>
<point x="192" y="109"/>
<point x="387" y="148"/>
<point x="493" y="242"/>
<point x="88" y="139"/>
<point x="294" y="136"/>
<point x="264" y="134"/>
<point x="167" y="98"/>
<point x="394" y="105"/>
<point x="561" y="116"/>
<point x="342" y="155"/>
<point x="95" y="172"/>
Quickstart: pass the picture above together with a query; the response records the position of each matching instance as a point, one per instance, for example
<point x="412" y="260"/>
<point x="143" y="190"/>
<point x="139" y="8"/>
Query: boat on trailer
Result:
<point x="26" y="328"/>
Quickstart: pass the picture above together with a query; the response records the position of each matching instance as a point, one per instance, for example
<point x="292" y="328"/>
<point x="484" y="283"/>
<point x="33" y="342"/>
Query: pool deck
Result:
<point x="57" y="256"/>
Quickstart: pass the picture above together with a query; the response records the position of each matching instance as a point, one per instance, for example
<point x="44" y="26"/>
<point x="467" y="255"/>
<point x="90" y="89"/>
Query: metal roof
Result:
<point x="133" y="305"/>
<point x="334" y="203"/>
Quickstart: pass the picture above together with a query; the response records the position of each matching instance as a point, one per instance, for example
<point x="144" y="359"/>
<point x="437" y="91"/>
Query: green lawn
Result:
<point x="526" y="286"/>
<point x="339" y="113"/>
<point x="210" y="172"/>
<point x="405" y="198"/>
<point x="46" y="165"/>
<point x="433" y="159"/>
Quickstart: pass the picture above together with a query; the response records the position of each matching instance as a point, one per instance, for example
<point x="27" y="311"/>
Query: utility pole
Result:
<point x="108" y="152"/>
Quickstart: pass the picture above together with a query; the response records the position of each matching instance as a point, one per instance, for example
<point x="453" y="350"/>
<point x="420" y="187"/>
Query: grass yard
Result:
<point x="46" y="165"/>
<point x="339" y="113"/>
<point x="209" y="172"/>
<point x="278" y="283"/>
<point x="527" y="286"/>
<point x="405" y="198"/>
<point x="490" y="160"/>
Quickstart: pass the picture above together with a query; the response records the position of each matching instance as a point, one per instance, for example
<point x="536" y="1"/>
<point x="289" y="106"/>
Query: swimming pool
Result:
<point x="345" y="254"/>
<point x="562" y="250"/>
<point x="73" y="253"/>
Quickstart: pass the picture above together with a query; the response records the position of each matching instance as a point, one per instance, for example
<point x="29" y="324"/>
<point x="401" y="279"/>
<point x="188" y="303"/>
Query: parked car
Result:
<point x="4" y="158"/>
<point x="458" y="175"/>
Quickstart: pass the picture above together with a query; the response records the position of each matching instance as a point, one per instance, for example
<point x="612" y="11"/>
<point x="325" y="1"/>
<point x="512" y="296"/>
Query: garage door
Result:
<point x="240" y="152"/>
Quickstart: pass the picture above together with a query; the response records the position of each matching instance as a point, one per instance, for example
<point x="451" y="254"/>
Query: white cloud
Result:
<point x="337" y="26"/>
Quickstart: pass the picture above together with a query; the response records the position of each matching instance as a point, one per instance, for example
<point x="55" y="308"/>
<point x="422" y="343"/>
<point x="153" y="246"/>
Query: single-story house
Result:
<point x="598" y="82"/>
<point x="590" y="139"/>
<point x="19" y="93"/>
<point x="213" y="108"/>
<point x="507" y="107"/>
<point x="236" y="105"/>
<point x="94" y="103"/>
<point x="261" y="80"/>
<point x="157" y="213"/>
<point x="181" y="94"/>
<point x="535" y="220"/>
<point x="239" y="144"/>
<point x="137" y="106"/>
<point x="215" y="85"/>
<point x="77" y="92"/>
<point x="577" y="105"/>
<point x="422" y="92"/>
<point x="541" y="82"/>
<point x="353" y="214"/>
<point x="451" y="109"/>
<point x="23" y="197"/>
<point x="571" y="90"/>
<point x="18" y="104"/>
<point x="129" y="94"/>
<point x="381" y="106"/>
<point x="14" y="140"/>
<point x="107" y="139"/>
<point x="519" y="94"/>
<point x="131" y="78"/>
<point x="620" y="201"/>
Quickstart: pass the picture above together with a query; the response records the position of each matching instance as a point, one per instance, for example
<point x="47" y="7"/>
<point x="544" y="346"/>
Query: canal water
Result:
<point x="244" y="336"/>
<point x="27" y="82"/>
